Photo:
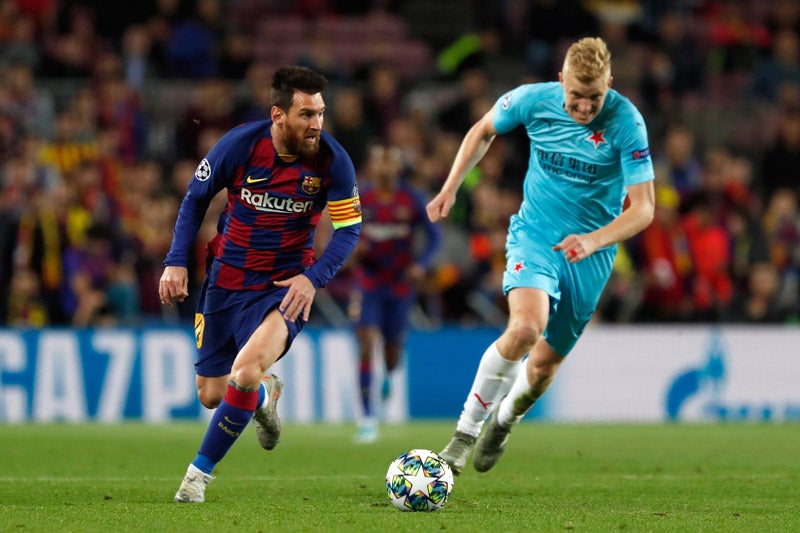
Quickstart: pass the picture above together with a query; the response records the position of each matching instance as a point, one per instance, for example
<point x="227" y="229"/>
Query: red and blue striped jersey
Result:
<point x="388" y="244"/>
<point x="266" y="230"/>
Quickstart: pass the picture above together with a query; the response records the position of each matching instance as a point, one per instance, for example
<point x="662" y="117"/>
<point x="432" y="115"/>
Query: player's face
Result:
<point x="583" y="101"/>
<point x="301" y="125"/>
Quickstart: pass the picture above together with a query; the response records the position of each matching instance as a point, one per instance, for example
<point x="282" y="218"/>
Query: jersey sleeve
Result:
<point x="513" y="108"/>
<point x="343" y="200"/>
<point x="214" y="173"/>
<point x="635" y="159"/>
<point x="344" y="206"/>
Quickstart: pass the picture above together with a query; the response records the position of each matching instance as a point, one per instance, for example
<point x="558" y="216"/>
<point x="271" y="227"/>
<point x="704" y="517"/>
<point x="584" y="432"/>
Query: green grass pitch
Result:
<point x="554" y="477"/>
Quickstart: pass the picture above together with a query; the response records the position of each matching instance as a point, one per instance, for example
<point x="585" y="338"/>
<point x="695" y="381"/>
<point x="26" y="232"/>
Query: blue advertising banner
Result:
<point x="629" y="374"/>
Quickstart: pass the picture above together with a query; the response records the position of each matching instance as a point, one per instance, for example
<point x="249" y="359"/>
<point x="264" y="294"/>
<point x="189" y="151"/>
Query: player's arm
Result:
<point x="473" y="147"/>
<point x="174" y="283"/>
<point x="344" y="206"/>
<point x="211" y="176"/>
<point x="631" y="221"/>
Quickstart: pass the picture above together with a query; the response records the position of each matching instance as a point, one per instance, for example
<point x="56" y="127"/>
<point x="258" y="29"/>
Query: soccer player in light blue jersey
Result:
<point x="589" y="151"/>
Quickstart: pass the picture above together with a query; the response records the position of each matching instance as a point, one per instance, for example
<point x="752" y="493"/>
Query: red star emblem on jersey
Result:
<point x="597" y="137"/>
<point x="519" y="266"/>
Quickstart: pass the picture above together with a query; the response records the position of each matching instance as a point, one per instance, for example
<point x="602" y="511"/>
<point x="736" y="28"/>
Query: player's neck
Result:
<point x="280" y="146"/>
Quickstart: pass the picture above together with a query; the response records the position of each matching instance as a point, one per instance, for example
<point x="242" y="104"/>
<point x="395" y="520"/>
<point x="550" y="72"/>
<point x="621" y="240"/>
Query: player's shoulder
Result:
<point x="330" y="144"/>
<point x="529" y="93"/>
<point x="620" y="103"/>
<point x="338" y="161"/>
<point x="239" y="140"/>
<point x="249" y="130"/>
<point x="526" y="101"/>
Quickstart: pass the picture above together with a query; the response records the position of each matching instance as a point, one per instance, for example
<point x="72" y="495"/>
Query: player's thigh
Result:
<point x="372" y="309"/>
<point x="396" y="318"/>
<point x="263" y="335"/>
<point x="264" y="346"/>
<point x="581" y="288"/>
<point x="211" y="390"/>
<point x="216" y="343"/>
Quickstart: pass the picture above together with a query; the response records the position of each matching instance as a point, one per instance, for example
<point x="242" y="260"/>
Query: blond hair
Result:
<point x="588" y="59"/>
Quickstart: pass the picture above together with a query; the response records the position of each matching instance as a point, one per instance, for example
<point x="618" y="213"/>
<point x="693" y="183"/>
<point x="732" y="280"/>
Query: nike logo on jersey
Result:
<point x="251" y="179"/>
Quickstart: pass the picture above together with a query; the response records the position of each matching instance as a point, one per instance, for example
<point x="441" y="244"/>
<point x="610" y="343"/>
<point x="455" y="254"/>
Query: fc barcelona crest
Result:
<point x="311" y="184"/>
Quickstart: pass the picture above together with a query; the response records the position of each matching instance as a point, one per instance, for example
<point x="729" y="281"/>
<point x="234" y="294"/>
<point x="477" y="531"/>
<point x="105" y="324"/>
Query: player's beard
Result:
<point x="296" y="144"/>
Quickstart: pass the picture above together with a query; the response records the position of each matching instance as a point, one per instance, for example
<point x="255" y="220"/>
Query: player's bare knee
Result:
<point x="523" y="336"/>
<point x="247" y="377"/>
<point x="209" y="399"/>
<point x="542" y="370"/>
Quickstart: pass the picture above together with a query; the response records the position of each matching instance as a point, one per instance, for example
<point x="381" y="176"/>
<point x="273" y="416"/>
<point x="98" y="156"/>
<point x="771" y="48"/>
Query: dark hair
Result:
<point x="287" y="80"/>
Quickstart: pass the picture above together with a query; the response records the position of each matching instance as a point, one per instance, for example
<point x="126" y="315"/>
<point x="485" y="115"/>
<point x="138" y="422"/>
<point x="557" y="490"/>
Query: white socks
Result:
<point x="494" y="378"/>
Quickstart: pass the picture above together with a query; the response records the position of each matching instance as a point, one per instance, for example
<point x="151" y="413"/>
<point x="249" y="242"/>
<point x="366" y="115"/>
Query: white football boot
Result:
<point x="193" y="486"/>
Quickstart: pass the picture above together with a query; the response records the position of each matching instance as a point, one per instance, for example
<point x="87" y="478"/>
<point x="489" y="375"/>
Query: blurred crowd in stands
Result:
<point x="105" y="114"/>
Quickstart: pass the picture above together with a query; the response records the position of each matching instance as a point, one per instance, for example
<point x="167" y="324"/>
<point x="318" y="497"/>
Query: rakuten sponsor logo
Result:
<point x="274" y="204"/>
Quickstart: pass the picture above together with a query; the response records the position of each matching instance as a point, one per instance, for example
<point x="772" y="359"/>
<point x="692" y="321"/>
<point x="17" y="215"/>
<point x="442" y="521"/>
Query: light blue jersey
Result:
<point x="576" y="183"/>
<point x="577" y="173"/>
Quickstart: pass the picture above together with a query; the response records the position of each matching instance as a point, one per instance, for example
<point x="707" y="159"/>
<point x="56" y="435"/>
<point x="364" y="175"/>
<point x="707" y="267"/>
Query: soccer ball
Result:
<point x="419" y="480"/>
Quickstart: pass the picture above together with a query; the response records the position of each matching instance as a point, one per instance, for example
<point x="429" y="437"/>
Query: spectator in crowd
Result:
<point x="666" y="264"/>
<point x="86" y="95"/>
<point x="191" y="50"/>
<point x="383" y="97"/>
<point x="252" y="102"/>
<point x="472" y="101"/>
<point x="351" y="125"/>
<point x="748" y="243"/>
<point x="781" y="67"/>
<point x="780" y="162"/>
<point x="678" y="162"/>
<point x="760" y="303"/>
<point x="31" y="108"/>
<point x="211" y="107"/>
<point x="137" y="65"/>
<point x="712" y="286"/>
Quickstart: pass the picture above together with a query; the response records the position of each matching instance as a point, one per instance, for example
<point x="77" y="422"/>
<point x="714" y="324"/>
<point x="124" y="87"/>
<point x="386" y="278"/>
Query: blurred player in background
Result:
<point x="390" y="263"/>
<point x="589" y="150"/>
<point x="280" y="173"/>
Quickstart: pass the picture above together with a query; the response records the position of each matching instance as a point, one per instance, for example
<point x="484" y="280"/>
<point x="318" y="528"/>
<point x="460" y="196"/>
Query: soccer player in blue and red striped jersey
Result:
<point x="390" y="264"/>
<point x="262" y="276"/>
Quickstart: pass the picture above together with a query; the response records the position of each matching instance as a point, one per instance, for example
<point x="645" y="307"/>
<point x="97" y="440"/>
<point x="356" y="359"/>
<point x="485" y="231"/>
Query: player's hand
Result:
<point x="576" y="247"/>
<point x="174" y="285"/>
<point x="299" y="298"/>
<point x="415" y="273"/>
<point x="440" y="206"/>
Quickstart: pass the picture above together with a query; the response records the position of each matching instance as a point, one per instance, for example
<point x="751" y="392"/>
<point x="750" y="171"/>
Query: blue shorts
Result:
<point x="226" y="319"/>
<point x="387" y="312"/>
<point x="574" y="289"/>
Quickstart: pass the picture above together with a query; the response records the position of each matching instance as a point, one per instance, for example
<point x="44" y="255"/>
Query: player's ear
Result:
<point x="276" y="114"/>
<point x="610" y="81"/>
